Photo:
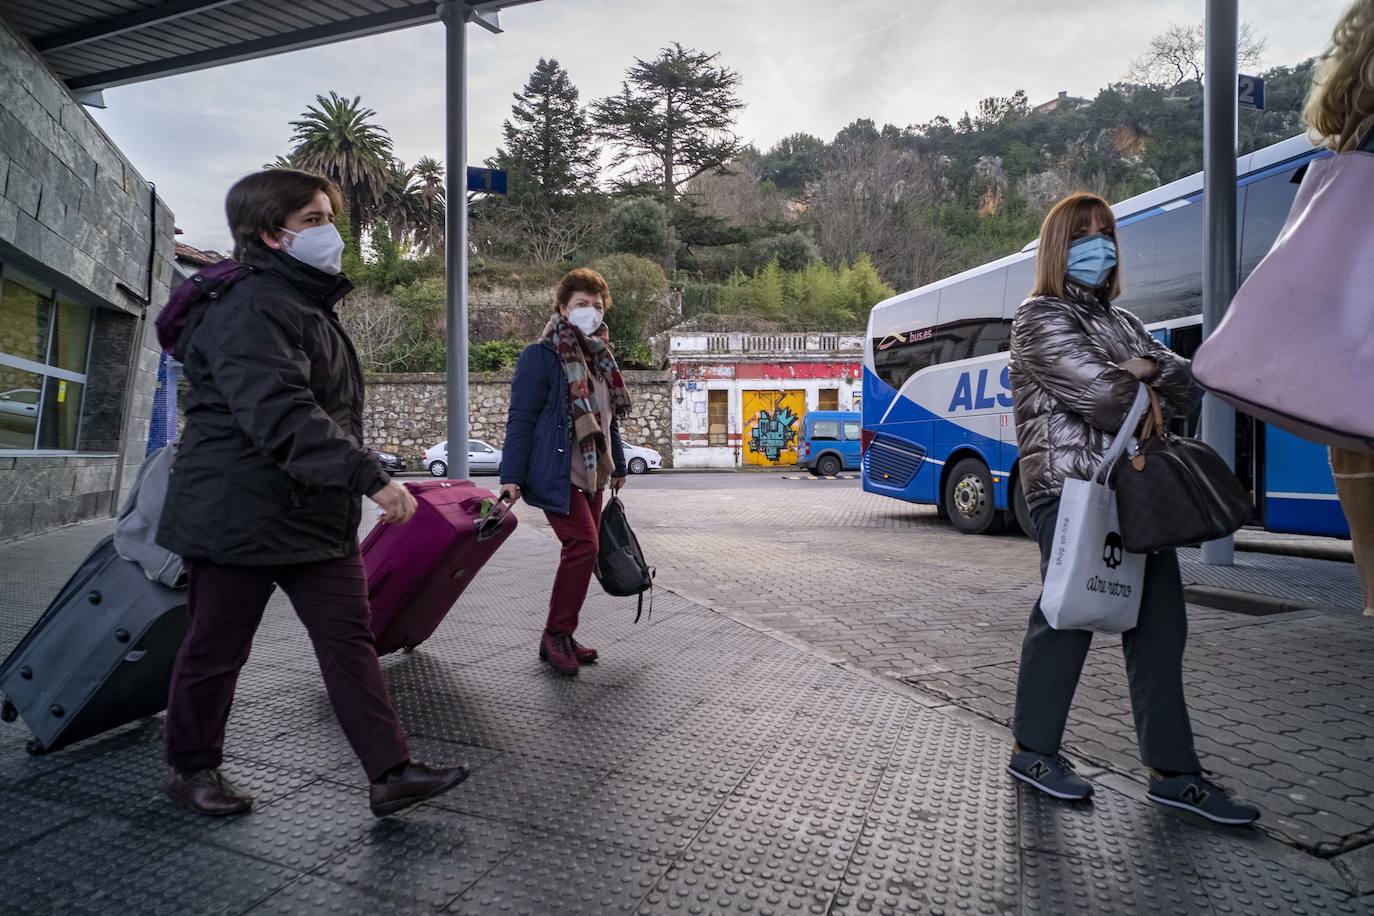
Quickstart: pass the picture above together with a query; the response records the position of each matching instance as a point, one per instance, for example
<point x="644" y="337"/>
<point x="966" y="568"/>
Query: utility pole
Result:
<point x="1220" y="270"/>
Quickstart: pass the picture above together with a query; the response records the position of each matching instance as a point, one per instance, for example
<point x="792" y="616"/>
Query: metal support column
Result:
<point x="1220" y="271"/>
<point x="454" y="15"/>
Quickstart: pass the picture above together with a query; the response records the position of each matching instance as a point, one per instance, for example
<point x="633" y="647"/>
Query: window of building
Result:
<point x="829" y="399"/>
<point x="45" y="343"/>
<point x="717" y="418"/>
<point x="826" y="430"/>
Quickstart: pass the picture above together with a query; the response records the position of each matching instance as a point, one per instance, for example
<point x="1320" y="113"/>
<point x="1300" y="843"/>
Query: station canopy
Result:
<point x="97" y="44"/>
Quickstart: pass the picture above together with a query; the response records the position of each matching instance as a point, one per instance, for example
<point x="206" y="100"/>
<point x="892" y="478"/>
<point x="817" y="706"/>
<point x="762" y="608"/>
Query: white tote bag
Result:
<point x="1092" y="582"/>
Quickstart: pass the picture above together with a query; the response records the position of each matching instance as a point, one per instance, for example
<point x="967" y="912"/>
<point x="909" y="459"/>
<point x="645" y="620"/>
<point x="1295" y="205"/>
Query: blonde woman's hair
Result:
<point x="1066" y="219"/>
<point x="1340" y="107"/>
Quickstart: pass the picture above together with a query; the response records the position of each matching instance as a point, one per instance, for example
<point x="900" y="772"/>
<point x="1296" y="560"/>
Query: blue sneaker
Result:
<point x="1196" y="793"/>
<point x="1052" y="775"/>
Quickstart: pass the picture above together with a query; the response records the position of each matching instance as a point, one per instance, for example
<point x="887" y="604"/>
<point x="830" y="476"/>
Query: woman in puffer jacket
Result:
<point x="1076" y="365"/>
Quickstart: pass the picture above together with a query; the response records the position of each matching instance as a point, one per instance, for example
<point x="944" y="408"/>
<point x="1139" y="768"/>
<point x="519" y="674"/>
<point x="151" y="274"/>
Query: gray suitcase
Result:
<point x="100" y="656"/>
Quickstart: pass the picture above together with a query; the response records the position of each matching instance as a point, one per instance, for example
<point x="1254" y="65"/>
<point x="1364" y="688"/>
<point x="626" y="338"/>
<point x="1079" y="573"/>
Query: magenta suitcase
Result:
<point x="416" y="571"/>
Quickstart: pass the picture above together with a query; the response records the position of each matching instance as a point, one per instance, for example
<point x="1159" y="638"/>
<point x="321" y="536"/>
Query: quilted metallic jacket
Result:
<point x="1070" y="394"/>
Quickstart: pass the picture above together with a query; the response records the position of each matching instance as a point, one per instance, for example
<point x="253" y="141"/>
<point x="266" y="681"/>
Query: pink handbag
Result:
<point x="1296" y="348"/>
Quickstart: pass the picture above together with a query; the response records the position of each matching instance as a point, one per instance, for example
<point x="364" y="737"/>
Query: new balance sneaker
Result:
<point x="1052" y="775"/>
<point x="1196" y="793"/>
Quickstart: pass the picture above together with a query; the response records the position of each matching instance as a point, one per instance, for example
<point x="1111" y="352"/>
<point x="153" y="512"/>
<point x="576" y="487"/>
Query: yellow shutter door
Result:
<point x="772" y="423"/>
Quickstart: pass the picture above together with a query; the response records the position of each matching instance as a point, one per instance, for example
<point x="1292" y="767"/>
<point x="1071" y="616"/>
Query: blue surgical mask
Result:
<point x="1091" y="260"/>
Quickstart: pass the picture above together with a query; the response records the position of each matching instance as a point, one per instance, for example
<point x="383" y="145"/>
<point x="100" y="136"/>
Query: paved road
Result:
<point x="1282" y="705"/>
<point x="704" y="766"/>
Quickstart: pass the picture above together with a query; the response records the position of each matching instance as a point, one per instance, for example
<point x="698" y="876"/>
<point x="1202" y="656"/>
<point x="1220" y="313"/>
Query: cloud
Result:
<point x="805" y="65"/>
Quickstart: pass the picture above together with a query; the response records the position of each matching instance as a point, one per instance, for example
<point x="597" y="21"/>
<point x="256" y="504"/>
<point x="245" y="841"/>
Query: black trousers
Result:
<point x="1052" y="661"/>
<point x="226" y="605"/>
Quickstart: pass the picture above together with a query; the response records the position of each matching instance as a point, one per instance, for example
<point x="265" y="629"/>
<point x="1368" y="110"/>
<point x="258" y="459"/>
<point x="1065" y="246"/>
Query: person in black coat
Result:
<point x="563" y="448"/>
<point x="266" y="490"/>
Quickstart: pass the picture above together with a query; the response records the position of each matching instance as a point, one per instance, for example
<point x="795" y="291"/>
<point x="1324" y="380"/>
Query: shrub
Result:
<point x="638" y="287"/>
<point x="640" y="226"/>
<point x="494" y="355"/>
<point x="792" y="251"/>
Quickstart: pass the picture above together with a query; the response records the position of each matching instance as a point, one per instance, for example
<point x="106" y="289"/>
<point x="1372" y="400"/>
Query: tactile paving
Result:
<point x="700" y="888"/>
<point x="427" y="857"/>
<point x="302" y="830"/>
<point x="554" y="875"/>
<point x="522" y="789"/>
<point x="702" y="767"/>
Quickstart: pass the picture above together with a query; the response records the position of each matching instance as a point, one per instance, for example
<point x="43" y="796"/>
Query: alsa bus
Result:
<point x="938" y="427"/>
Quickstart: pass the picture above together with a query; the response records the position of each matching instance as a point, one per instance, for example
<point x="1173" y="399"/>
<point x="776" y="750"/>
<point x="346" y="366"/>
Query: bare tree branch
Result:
<point x="1178" y="55"/>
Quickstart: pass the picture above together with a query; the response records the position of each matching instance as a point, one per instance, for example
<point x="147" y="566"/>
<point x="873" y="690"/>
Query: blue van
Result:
<point x="830" y="442"/>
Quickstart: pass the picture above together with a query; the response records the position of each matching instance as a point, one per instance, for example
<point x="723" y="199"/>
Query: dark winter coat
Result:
<point x="1070" y="394"/>
<point x="536" y="454"/>
<point x="271" y="467"/>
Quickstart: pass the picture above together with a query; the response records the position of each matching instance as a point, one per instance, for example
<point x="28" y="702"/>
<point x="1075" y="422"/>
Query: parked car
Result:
<point x="830" y="442"/>
<point x="389" y="461"/>
<point x="20" y="402"/>
<point x="641" y="460"/>
<point x="482" y="458"/>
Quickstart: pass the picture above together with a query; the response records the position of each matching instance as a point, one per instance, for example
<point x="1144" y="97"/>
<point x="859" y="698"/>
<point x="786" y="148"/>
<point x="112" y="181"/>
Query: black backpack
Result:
<point x="620" y="566"/>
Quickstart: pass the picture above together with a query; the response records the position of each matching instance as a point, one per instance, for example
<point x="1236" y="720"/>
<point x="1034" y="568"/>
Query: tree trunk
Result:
<point x="355" y="221"/>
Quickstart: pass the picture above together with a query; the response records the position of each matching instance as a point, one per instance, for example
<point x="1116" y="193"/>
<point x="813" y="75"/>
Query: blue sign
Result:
<point x="1250" y="92"/>
<point x="491" y="181"/>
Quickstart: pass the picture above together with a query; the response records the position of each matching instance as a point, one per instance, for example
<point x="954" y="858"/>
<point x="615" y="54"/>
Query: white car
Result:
<point x="20" y="402"/>
<point x="482" y="458"/>
<point x="641" y="460"/>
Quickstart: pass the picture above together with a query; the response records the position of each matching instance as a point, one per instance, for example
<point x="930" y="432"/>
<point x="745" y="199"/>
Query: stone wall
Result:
<point x="406" y="414"/>
<point x="77" y="216"/>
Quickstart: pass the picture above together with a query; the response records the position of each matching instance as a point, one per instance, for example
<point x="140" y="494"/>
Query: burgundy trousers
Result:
<point x="579" y="532"/>
<point x="226" y="604"/>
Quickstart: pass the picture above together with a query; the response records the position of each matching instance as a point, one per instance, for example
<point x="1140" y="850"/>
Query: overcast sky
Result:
<point x="805" y="65"/>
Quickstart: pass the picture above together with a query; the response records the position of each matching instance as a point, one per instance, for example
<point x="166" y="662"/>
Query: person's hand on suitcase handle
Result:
<point x="396" y="503"/>
<point x="510" y="492"/>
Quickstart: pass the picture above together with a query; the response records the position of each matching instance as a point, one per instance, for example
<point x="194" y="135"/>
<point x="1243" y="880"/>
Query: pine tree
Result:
<point x="673" y="118"/>
<point x="547" y="150"/>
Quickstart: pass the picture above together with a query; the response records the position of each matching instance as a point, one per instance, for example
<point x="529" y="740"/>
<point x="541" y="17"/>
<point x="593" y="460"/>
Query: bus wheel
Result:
<point x="1022" y="510"/>
<point x="969" y="499"/>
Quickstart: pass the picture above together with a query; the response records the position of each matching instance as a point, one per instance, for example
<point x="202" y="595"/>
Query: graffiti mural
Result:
<point x="772" y="423"/>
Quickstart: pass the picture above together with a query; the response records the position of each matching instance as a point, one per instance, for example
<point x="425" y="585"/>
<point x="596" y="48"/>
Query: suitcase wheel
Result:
<point x="35" y="748"/>
<point x="8" y="712"/>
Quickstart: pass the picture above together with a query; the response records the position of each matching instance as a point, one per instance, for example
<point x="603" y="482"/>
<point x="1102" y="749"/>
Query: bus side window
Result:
<point x="1136" y="243"/>
<point x="1267" y="203"/>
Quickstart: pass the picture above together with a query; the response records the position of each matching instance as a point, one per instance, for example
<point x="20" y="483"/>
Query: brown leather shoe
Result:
<point x="416" y="783"/>
<point x="206" y="792"/>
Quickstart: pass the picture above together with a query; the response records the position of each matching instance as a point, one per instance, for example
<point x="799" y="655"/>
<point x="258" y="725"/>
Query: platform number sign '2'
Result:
<point x="1250" y="92"/>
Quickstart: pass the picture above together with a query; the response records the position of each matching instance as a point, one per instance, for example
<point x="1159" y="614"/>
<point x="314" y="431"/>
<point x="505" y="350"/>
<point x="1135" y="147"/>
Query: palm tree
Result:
<point x="427" y="188"/>
<point x="338" y="140"/>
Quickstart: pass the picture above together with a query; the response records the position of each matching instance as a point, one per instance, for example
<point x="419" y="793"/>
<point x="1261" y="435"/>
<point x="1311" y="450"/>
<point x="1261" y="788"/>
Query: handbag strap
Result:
<point x="1154" y="424"/>
<point x="1124" y="434"/>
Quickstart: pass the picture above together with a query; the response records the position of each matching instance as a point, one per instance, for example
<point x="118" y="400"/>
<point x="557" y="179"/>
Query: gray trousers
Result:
<point x="1052" y="660"/>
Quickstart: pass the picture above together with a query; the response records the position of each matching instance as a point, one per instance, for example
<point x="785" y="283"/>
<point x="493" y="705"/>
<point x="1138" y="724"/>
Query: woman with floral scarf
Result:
<point x="563" y="446"/>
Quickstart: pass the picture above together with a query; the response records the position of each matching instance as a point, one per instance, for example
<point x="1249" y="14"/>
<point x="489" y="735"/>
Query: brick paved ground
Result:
<point x="1282" y="704"/>
<point x="703" y="767"/>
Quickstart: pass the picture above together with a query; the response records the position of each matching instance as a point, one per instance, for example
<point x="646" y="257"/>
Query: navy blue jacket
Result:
<point x="538" y="435"/>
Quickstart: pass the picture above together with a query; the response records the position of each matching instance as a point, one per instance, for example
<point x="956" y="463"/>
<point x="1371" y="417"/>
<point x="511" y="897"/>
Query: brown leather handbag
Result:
<point x="1175" y="490"/>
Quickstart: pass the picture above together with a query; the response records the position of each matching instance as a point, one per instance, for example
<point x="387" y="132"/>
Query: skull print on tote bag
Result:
<point x="1093" y="582"/>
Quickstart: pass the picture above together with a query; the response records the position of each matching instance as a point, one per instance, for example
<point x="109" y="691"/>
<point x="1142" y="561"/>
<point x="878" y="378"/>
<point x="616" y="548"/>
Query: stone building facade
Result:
<point x="406" y="414"/>
<point x="85" y="262"/>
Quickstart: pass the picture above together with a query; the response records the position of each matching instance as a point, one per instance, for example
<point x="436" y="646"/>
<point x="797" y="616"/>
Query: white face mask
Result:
<point x="319" y="246"/>
<point x="585" y="318"/>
